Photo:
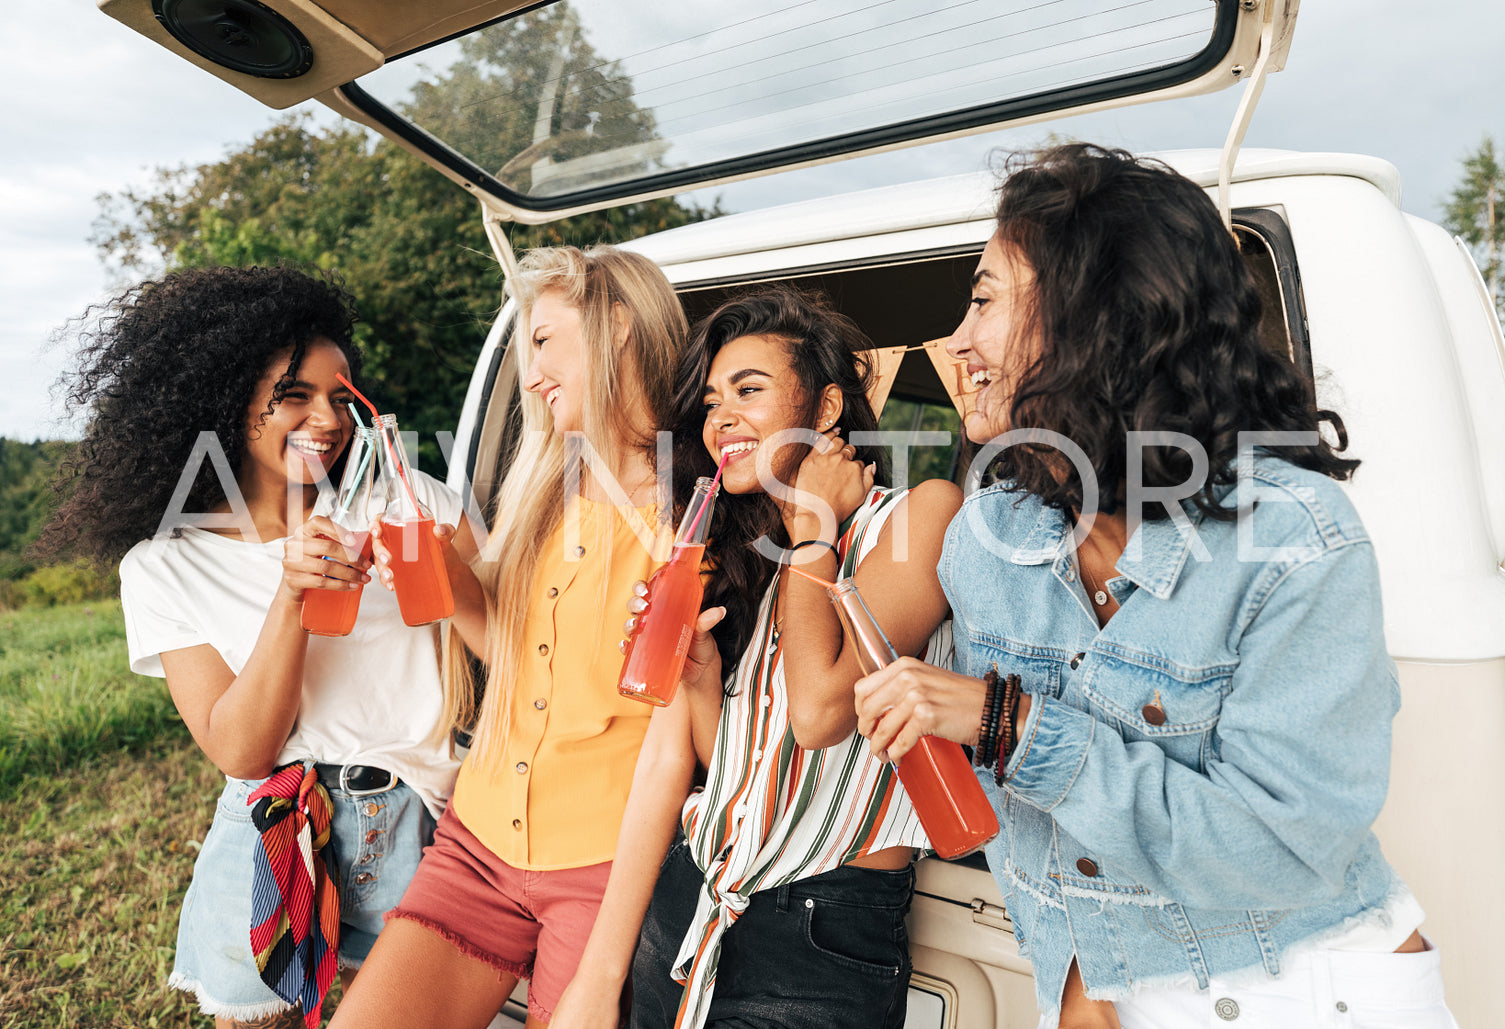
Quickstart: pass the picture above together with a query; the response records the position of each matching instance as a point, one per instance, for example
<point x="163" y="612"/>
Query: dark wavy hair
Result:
<point x="1143" y="316"/>
<point x="825" y="347"/>
<point x="162" y="362"/>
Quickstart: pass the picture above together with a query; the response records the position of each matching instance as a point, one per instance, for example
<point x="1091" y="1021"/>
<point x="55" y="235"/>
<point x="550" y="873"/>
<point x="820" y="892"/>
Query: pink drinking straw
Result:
<point x="813" y="578"/>
<point x="714" y="483"/>
<point x="390" y="455"/>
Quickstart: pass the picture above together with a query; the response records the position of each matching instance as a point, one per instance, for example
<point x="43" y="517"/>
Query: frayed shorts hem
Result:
<point x="219" y="1009"/>
<point x="497" y="963"/>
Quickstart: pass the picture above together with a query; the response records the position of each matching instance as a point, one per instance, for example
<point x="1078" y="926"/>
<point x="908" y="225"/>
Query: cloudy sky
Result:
<point x="93" y="108"/>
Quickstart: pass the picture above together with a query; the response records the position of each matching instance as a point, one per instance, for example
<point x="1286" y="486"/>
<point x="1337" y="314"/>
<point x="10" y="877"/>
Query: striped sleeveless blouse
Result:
<point x="773" y="813"/>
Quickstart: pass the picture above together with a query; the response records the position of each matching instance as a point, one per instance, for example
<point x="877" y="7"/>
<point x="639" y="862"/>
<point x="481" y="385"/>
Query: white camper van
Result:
<point x="621" y="100"/>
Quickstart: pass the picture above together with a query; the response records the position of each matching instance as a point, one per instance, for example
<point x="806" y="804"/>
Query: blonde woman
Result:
<point x="510" y="888"/>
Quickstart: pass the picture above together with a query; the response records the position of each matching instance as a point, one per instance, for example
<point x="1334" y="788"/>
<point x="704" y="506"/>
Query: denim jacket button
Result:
<point x="1087" y="867"/>
<point x="1153" y="714"/>
<point x="1076" y="662"/>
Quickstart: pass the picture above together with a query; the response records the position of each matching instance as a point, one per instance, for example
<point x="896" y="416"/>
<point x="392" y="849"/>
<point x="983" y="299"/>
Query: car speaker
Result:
<point x="241" y="35"/>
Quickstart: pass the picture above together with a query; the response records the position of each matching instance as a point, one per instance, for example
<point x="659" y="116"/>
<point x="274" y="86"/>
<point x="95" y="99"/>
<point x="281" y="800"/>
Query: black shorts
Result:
<point x="826" y="952"/>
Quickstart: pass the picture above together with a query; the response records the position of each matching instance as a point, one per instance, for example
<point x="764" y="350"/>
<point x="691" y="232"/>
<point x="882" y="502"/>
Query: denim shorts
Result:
<point x="377" y="839"/>
<point x="826" y="952"/>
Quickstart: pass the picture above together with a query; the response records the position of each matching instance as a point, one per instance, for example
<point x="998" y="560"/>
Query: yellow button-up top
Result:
<point x="557" y="797"/>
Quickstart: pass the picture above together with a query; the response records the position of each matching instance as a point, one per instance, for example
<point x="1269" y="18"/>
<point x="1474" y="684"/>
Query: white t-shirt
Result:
<point x="370" y="698"/>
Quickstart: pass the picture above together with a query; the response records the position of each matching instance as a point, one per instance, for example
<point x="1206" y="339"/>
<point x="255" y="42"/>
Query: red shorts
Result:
<point x="529" y="924"/>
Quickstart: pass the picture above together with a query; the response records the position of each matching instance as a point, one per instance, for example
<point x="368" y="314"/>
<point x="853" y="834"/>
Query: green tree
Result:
<point x="26" y="503"/>
<point x="407" y="242"/>
<point x="1474" y="213"/>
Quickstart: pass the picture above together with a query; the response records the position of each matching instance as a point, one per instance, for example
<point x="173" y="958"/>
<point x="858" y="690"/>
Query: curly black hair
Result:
<point x="825" y="348"/>
<point x="163" y="362"/>
<point x="1145" y="318"/>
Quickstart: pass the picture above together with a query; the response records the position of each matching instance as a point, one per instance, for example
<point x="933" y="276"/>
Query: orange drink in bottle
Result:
<point x="656" y="652"/>
<point x="419" y="575"/>
<point x="332" y="612"/>
<point x="936" y="773"/>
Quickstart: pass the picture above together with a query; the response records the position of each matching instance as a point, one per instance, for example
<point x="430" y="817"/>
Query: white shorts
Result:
<point x="1320" y="989"/>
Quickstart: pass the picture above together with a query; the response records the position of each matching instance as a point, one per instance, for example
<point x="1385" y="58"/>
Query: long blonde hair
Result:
<point x="629" y="391"/>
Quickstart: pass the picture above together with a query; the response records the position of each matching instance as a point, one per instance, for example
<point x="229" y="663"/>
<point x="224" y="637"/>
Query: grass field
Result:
<point x="104" y="800"/>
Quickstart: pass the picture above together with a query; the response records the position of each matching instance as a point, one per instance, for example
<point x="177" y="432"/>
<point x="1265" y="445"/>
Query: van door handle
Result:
<point x="990" y="915"/>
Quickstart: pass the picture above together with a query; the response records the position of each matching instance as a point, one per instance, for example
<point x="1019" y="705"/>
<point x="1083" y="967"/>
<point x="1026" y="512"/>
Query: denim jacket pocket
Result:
<point x="1038" y="668"/>
<point x="1152" y="698"/>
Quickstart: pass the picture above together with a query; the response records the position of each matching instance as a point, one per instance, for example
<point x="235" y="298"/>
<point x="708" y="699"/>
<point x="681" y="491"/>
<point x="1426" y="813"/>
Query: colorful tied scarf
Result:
<point x="295" y="900"/>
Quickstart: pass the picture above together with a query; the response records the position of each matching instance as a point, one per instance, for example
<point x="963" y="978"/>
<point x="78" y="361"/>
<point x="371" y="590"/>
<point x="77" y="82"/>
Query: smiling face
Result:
<point x="557" y="369"/>
<point x="306" y="431"/>
<point x="990" y="340"/>
<point x="751" y="393"/>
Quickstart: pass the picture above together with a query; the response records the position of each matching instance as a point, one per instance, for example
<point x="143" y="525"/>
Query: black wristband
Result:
<point x="817" y="543"/>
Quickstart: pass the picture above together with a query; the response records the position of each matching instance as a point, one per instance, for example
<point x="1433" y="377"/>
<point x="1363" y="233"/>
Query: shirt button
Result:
<point x="579" y="551"/>
<point x="1153" y="714"/>
<point x="765" y="700"/>
<point x="1076" y="662"/>
<point x="372" y="835"/>
<point x="365" y="859"/>
<point x="543" y="650"/>
<point x="1070" y="574"/>
<point x="540" y="703"/>
<point x="1342" y="1007"/>
<point x="522" y="767"/>
<point x="553" y="592"/>
<point x="1087" y="867"/>
<point x="517" y="823"/>
<point x="364" y="878"/>
<point x="373" y="809"/>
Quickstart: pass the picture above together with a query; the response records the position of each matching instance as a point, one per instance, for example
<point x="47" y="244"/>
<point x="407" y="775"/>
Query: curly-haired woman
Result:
<point x="215" y="391"/>
<point x="1188" y="778"/>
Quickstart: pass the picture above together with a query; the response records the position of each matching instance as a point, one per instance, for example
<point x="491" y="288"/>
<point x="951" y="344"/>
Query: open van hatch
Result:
<point x="550" y="109"/>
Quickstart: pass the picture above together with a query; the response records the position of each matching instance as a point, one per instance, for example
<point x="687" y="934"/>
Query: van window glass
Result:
<point x="568" y="99"/>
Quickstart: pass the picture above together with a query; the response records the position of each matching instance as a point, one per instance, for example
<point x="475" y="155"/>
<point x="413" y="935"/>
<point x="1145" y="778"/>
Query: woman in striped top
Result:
<point x="784" y="902"/>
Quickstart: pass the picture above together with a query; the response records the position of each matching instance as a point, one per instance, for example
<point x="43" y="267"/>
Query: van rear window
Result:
<point x="575" y="98"/>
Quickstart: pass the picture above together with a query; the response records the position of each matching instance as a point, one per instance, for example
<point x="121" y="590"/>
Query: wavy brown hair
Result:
<point x="160" y="363"/>
<point x="825" y="348"/>
<point x="1142" y="316"/>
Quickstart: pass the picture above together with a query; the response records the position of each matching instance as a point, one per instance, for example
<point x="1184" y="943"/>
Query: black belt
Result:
<point x="357" y="780"/>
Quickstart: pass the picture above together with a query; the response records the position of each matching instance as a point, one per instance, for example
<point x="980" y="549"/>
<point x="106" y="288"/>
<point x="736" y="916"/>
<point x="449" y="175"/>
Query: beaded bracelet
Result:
<point x="1011" y="695"/>
<point x="987" y="732"/>
<point x="817" y="543"/>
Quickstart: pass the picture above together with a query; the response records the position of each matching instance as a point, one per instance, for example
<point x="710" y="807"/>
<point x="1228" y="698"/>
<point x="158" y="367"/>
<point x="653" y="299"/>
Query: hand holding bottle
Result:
<point x="381" y="553"/>
<point x="908" y="699"/>
<point x="317" y="556"/>
<point x="702" y="660"/>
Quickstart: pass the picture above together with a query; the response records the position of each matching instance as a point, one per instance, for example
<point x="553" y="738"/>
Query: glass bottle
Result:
<point x="332" y="612"/>
<point x="936" y="773"/>
<point x="656" y="651"/>
<point x="419" y="576"/>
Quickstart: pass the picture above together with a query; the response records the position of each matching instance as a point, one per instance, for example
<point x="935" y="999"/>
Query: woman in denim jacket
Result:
<point x="1188" y="772"/>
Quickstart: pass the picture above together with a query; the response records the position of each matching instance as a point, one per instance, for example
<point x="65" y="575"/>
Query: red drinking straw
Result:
<point x="714" y="483"/>
<point x="390" y="455"/>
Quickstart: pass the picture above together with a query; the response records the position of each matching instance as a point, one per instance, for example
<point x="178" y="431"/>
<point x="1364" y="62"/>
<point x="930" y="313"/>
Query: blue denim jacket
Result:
<point x="1193" y="790"/>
